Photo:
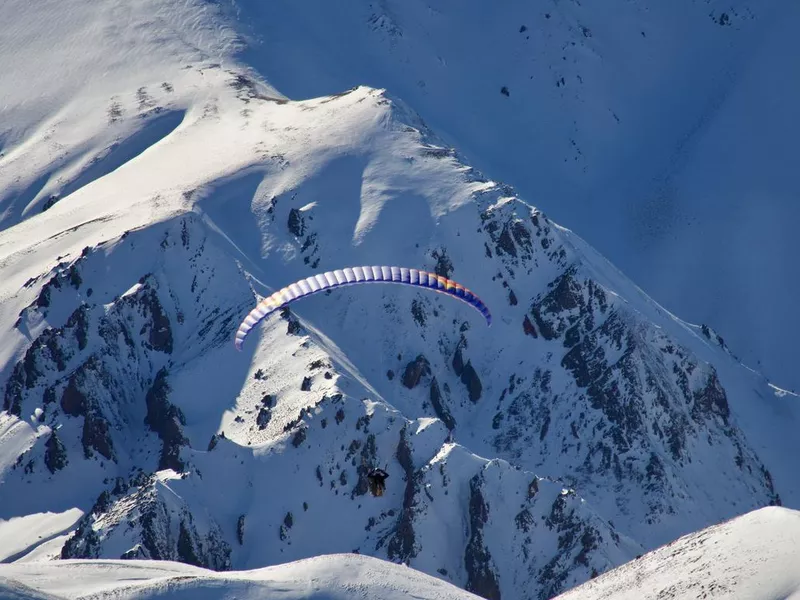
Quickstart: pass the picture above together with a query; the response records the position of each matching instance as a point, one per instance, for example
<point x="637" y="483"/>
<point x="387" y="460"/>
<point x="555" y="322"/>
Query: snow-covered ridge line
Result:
<point x="330" y="577"/>
<point x="753" y="556"/>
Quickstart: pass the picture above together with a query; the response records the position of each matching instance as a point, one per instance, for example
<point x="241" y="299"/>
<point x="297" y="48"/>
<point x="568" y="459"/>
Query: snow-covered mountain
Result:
<point x="335" y="577"/>
<point x="752" y="556"/>
<point x="148" y="200"/>
<point x="662" y="133"/>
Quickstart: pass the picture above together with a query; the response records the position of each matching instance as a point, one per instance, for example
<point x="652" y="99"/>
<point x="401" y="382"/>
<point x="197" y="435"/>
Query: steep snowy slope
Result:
<point x="586" y="426"/>
<point x="662" y="133"/>
<point x="335" y="577"/>
<point x="754" y="556"/>
<point x="74" y="73"/>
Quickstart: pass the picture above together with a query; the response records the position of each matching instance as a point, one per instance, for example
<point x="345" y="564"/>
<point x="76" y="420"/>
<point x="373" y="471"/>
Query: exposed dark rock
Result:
<point x="73" y="400"/>
<point x="12" y="400"/>
<point x="524" y="520"/>
<point x="512" y="298"/>
<point x="49" y="395"/>
<point x="369" y="457"/>
<point x="576" y="541"/>
<point x="299" y="437"/>
<point x="481" y="574"/>
<point x="102" y="504"/>
<point x="74" y="276"/>
<point x="84" y="543"/>
<point x="306" y="385"/>
<point x="469" y="377"/>
<point x="96" y="435"/>
<point x="55" y="455"/>
<point x="165" y="420"/>
<point x="150" y="524"/>
<point x="297" y="225"/>
<point x="294" y="327"/>
<point x="31" y="372"/>
<point x="528" y="327"/>
<point x="43" y="300"/>
<point x="50" y="203"/>
<point x="263" y="418"/>
<point x="186" y="551"/>
<point x="458" y="361"/>
<point x="572" y="336"/>
<point x="418" y="312"/>
<point x="415" y="371"/>
<point x="533" y="488"/>
<point x="444" y="266"/>
<point x="160" y="333"/>
<point x="78" y="321"/>
<point x="711" y="400"/>
<point x="505" y="243"/>
<point x="438" y="406"/>
<point x="565" y="305"/>
<point x="402" y="545"/>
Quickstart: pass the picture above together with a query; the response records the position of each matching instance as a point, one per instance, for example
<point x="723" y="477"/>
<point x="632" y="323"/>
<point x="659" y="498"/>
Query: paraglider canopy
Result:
<point x="356" y="276"/>
<point x="377" y="481"/>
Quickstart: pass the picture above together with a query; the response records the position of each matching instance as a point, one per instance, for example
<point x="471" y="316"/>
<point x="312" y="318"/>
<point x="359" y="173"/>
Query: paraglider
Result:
<point x="377" y="481"/>
<point x="353" y="276"/>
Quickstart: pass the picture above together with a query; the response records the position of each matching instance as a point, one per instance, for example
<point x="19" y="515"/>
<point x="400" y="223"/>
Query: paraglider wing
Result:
<point x="353" y="276"/>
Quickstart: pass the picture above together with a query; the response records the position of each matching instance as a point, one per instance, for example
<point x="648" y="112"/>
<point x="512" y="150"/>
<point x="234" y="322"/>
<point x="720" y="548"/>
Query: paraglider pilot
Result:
<point x="377" y="481"/>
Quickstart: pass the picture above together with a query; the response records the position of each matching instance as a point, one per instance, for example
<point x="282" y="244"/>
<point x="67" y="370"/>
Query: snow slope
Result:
<point x="754" y="556"/>
<point x="586" y="426"/>
<point x="330" y="577"/>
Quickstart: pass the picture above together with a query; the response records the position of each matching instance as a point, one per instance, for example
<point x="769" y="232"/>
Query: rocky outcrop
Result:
<point x="467" y="373"/>
<point x="437" y="401"/>
<point x="481" y="572"/>
<point x="135" y="515"/>
<point x="415" y="371"/>
<point x="165" y="420"/>
<point x="577" y="539"/>
<point x="55" y="456"/>
<point x="402" y="545"/>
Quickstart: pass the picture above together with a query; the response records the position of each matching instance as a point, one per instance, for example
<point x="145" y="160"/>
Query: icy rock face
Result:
<point x="622" y="403"/>
<point x="142" y="519"/>
<point x="60" y="373"/>
<point x="557" y="540"/>
<point x="100" y="382"/>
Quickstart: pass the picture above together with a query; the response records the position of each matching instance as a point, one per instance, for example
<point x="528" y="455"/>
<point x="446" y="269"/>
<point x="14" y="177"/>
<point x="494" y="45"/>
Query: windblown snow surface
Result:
<point x="153" y="186"/>
<point x="753" y="556"/>
<point x="334" y="577"/>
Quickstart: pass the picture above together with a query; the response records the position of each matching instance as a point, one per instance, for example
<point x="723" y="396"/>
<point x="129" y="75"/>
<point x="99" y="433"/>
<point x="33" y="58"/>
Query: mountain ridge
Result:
<point x="613" y="429"/>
